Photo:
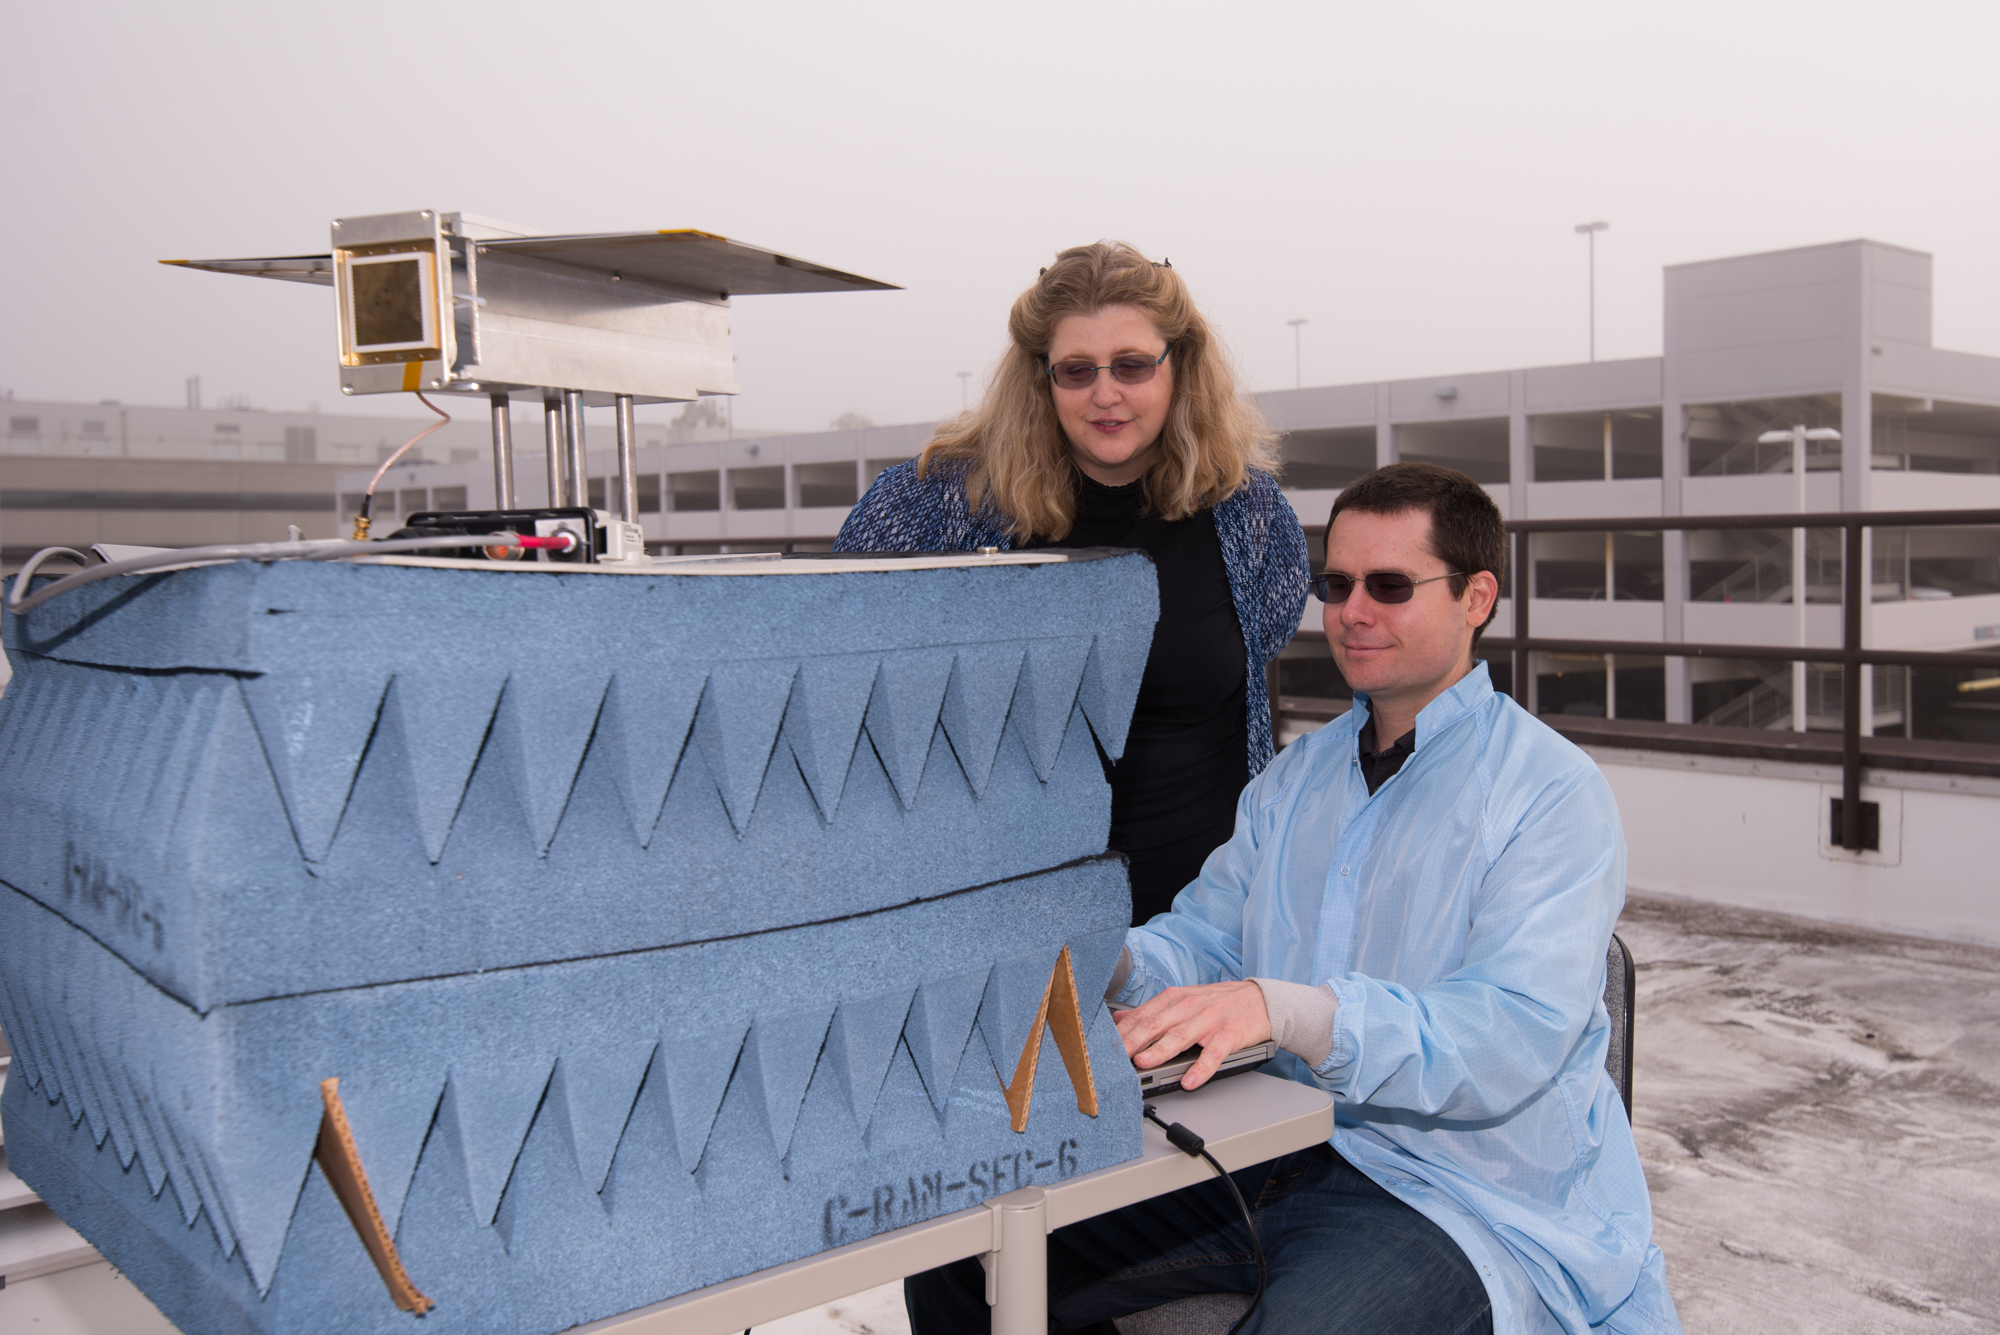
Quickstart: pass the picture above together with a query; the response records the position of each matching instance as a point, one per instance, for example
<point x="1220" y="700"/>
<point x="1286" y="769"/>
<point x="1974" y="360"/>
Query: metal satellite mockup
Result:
<point x="452" y="303"/>
<point x="464" y="305"/>
<point x="518" y="944"/>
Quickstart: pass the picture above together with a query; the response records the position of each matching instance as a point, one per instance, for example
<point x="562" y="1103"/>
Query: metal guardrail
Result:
<point x="1850" y="655"/>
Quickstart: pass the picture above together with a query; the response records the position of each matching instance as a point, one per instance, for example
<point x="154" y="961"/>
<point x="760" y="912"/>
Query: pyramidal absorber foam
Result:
<point x="574" y="940"/>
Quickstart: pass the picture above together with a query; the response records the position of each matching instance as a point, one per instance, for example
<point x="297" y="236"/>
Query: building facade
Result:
<point x="1835" y="339"/>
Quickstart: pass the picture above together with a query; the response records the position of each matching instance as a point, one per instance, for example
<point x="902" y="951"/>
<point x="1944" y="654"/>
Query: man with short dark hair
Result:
<point x="1416" y="904"/>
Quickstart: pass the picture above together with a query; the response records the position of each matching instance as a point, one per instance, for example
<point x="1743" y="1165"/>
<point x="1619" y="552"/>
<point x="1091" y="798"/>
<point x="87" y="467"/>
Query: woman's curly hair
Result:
<point x="1020" y="460"/>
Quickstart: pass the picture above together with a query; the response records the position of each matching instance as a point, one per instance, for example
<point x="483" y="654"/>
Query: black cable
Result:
<point x="312" y="549"/>
<point x="1188" y="1143"/>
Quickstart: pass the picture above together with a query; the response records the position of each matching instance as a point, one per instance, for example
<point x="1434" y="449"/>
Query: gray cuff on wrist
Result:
<point x="1301" y="1018"/>
<point x="1120" y="974"/>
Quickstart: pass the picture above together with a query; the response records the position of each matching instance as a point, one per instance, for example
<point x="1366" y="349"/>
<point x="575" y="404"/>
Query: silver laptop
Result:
<point x="1166" y="1078"/>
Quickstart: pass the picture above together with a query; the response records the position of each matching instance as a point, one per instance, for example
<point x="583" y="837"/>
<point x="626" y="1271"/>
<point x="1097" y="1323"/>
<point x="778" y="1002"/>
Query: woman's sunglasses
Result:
<point x="1383" y="586"/>
<point x="1132" y="370"/>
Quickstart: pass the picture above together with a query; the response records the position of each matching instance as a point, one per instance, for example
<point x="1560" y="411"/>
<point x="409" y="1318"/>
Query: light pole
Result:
<point x="964" y="390"/>
<point x="1798" y="436"/>
<point x="1298" y="355"/>
<point x="1591" y="229"/>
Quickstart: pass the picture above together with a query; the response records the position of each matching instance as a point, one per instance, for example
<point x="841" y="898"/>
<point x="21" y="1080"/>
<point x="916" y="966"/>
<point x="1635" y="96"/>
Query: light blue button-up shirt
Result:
<point x="1460" y="916"/>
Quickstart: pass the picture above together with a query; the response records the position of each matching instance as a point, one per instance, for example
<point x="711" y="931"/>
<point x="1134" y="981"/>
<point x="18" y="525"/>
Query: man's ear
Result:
<point x="1481" y="592"/>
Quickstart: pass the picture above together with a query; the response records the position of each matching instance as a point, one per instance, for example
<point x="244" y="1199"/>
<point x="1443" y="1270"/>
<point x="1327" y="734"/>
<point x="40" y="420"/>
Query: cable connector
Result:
<point x="1182" y="1139"/>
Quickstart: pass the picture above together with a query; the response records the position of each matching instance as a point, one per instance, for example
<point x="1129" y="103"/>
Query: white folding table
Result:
<point x="1245" y="1119"/>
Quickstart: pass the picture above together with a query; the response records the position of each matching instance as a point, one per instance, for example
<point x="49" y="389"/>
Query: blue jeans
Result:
<point x="1344" y="1255"/>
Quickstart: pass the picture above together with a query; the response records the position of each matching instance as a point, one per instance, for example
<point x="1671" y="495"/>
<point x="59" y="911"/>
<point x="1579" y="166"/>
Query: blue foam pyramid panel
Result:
<point x="435" y="799"/>
<point x="658" y="928"/>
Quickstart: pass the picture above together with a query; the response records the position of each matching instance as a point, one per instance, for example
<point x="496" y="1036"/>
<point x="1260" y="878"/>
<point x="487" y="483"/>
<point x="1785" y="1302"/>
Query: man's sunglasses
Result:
<point x="1383" y="586"/>
<point x="1130" y="370"/>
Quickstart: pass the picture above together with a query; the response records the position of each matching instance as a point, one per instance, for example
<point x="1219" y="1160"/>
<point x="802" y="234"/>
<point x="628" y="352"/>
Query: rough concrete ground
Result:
<point x="1819" y="1113"/>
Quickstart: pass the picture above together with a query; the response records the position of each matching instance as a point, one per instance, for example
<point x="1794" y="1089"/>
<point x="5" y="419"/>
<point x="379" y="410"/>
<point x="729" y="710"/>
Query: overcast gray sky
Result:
<point x="1404" y="176"/>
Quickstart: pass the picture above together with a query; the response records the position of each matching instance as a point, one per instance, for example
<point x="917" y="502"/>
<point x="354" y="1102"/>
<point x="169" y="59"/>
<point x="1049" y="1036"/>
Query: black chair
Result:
<point x="1214" y="1313"/>
<point x="1620" y="989"/>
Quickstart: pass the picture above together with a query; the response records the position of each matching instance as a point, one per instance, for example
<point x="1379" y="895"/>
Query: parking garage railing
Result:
<point x="1851" y="655"/>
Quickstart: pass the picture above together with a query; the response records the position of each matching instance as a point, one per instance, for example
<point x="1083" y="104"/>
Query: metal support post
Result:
<point x="1522" y="658"/>
<point x="1017" y="1269"/>
<point x="1799" y="669"/>
<point x="579" y="464"/>
<point x="503" y="454"/>
<point x="1850" y="691"/>
<point x="628" y="461"/>
<point x="552" y="440"/>
<point x="1610" y="587"/>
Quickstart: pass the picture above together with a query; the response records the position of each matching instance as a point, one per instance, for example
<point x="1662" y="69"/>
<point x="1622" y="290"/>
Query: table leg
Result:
<point x="1017" y="1269"/>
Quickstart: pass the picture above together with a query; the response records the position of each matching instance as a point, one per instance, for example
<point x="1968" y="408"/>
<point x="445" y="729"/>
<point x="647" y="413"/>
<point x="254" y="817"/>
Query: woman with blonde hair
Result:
<point x="1114" y="420"/>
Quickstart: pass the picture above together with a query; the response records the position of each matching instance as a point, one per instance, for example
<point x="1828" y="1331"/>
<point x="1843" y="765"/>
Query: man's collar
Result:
<point x="1454" y="703"/>
<point x="1470" y="692"/>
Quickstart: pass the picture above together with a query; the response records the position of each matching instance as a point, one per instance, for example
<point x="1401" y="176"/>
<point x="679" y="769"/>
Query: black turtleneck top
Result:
<point x="1174" y="791"/>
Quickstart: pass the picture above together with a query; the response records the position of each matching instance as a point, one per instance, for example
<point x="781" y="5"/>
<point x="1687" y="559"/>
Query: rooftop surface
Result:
<point x="1819" y="1113"/>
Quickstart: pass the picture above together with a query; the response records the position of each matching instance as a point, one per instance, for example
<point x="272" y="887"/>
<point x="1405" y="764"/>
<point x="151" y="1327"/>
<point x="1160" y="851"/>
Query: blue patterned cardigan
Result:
<point x="1263" y="550"/>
